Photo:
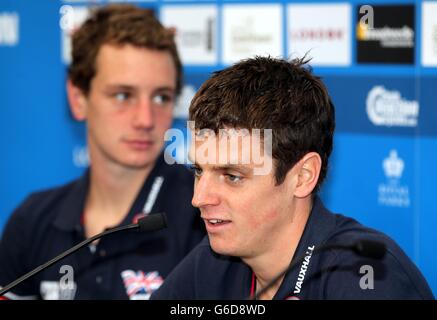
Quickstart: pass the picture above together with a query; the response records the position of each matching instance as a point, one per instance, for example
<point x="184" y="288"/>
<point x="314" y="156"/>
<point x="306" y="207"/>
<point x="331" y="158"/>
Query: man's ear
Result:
<point x="308" y="174"/>
<point x="77" y="101"/>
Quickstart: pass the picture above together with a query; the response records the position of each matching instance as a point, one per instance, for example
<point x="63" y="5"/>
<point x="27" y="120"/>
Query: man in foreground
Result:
<point x="258" y="197"/>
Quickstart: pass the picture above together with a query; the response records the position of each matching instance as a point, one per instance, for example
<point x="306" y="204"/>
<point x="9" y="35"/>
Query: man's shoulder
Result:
<point x="348" y="228"/>
<point x="43" y="201"/>
<point x="204" y="274"/>
<point x="395" y="273"/>
<point x="350" y="231"/>
<point x="32" y="220"/>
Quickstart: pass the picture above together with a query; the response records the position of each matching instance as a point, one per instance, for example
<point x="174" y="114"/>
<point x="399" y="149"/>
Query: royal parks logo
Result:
<point x="392" y="192"/>
<point x="389" y="38"/>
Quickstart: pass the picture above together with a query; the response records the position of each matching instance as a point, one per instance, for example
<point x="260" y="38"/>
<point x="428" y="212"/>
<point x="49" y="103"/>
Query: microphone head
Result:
<point x="370" y="249"/>
<point x="152" y="222"/>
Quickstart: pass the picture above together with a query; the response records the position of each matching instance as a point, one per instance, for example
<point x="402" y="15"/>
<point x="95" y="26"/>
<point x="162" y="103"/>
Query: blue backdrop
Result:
<point x="382" y="173"/>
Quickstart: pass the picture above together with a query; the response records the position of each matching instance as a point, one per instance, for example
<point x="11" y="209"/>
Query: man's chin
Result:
<point x="141" y="166"/>
<point x="223" y="249"/>
<point x="138" y="164"/>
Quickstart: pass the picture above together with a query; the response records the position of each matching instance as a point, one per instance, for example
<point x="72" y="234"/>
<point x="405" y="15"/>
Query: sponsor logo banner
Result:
<point x="70" y="20"/>
<point x="195" y="28"/>
<point x="389" y="108"/>
<point x="9" y="29"/>
<point x="392" y="192"/>
<point x="250" y="30"/>
<point x="429" y="34"/>
<point x="381" y="105"/>
<point x="389" y="38"/>
<point x="326" y="37"/>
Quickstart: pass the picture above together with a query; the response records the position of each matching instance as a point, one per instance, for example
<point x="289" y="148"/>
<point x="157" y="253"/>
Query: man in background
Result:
<point x="123" y="81"/>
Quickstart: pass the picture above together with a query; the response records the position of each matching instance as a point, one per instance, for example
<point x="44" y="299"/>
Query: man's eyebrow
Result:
<point x="226" y="167"/>
<point x="127" y="87"/>
<point x="115" y="86"/>
<point x="231" y="167"/>
<point x="165" y="88"/>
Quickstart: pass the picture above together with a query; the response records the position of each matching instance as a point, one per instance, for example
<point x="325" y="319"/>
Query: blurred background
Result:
<point x="378" y="59"/>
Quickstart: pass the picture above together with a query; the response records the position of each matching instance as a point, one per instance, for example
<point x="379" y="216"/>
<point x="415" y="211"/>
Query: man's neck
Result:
<point x="111" y="193"/>
<point x="271" y="263"/>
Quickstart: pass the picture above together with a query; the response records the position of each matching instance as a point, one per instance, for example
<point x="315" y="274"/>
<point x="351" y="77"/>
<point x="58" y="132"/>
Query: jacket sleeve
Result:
<point x="15" y="251"/>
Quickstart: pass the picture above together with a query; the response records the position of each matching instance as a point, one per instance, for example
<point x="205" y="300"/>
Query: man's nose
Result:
<point x="205" y="192"/>
<point x="144" y="116"/>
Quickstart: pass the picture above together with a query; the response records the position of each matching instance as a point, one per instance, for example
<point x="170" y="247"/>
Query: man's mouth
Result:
<point x="217" y="221"/>
<point x="213" y="225"/>
<point x="140" y="144"/>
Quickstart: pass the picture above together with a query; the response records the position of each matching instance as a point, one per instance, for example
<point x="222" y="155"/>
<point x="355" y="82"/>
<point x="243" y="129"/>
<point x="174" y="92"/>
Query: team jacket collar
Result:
<point x="71" y="210"/>
<point x="320" y="224"/>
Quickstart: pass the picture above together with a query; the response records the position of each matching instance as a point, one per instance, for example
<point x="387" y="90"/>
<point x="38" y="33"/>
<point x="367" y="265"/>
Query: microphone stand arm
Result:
<point x="63" y="255"/>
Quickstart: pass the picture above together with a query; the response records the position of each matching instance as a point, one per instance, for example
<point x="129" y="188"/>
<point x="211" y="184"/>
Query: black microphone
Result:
<point x="151" y="222"/>
<point x="365" y="248"/>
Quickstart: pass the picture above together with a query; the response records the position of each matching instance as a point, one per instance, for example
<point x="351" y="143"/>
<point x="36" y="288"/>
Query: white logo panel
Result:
<point x="195" y="32"/>
<point x="9" y="28"/>
<point x="71" y="19"/>
<point x="429" y="34"/>
<point x="250" y="30"/>
<point x="325" y="36"/>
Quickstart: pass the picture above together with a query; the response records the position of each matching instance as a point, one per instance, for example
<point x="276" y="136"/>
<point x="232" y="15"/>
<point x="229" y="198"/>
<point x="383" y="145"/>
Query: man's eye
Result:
<point x="122" y="96"/>
<point x="162" y="99"/>
<point x="196" y="170"/>
<point x="233" y="178"/>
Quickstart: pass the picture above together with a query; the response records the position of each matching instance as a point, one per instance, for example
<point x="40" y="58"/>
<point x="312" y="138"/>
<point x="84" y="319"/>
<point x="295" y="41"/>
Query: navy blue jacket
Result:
<point x="330" y="274"/>
<point x="124" y="265"/>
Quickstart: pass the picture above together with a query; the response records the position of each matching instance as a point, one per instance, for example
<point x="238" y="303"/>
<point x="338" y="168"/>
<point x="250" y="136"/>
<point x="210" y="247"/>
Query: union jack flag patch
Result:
<point x="140" y="285"/>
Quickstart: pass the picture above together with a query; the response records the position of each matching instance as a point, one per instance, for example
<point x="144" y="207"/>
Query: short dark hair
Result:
<point x="269" y="93"/>
<point x="118" y="24"/>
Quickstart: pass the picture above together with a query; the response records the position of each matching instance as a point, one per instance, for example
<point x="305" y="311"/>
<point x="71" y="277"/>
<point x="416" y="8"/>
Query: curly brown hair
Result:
<point x="118" y="24"/>
<point x="268" y="93"/>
